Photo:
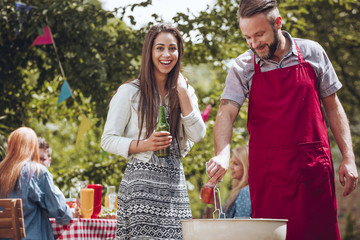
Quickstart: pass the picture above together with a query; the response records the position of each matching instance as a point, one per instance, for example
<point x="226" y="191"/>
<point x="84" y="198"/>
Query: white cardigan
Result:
<point x="122" y="126"/>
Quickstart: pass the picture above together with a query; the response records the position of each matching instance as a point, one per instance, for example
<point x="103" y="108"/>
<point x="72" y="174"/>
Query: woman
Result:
<point x="238" y="204"/>
<point x="22" y="176"/>
<point x="152" y="197"/>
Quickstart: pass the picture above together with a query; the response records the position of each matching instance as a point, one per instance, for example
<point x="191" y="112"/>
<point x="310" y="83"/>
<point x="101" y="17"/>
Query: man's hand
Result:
<point x="339" y="125"/>
<point x="216" y="167"/>
<point x="348" y="176"/>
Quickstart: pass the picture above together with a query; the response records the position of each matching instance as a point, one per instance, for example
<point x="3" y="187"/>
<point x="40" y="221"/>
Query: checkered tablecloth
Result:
<point x="87" y="229"/>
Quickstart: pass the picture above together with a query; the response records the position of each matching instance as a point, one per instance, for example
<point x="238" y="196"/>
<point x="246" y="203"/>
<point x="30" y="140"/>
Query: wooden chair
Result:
<point x="11" y="218"/>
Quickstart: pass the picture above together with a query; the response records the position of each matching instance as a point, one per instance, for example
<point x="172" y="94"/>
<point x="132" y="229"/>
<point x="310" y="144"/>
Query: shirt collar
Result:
<point x="292" y="46"/>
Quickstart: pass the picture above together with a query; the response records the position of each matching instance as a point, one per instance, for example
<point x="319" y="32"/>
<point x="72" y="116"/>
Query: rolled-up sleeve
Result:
<point x="238" y="80"/>
<point x="328" y="80"/>
<point x="118" y="116"/>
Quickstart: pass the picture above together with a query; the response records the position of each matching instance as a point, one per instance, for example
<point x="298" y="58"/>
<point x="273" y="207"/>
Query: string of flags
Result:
<point x="65" y="92"/>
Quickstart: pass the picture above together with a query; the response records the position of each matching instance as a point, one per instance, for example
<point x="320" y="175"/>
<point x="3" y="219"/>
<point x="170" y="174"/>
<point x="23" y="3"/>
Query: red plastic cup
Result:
<point x="207" y="193"/>
<point x="97" y="199"/>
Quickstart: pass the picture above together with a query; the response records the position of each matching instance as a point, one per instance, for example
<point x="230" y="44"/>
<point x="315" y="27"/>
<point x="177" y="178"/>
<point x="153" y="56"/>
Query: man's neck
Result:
<point x="282" y="49"/>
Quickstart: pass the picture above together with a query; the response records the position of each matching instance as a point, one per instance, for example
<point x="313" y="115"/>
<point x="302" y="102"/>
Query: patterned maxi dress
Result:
<point x="153" y="198"/>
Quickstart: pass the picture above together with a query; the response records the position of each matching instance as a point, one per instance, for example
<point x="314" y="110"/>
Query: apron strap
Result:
<point x="257" y="66"/>
<point x="300" y="56"/>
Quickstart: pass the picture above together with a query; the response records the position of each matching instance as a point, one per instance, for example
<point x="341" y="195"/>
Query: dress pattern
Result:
<point x="152" y="199"/>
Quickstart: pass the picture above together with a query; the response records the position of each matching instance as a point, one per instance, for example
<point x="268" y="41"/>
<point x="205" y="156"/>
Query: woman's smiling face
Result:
<point x="237" y="168"/>
<point x="165" y="54"/>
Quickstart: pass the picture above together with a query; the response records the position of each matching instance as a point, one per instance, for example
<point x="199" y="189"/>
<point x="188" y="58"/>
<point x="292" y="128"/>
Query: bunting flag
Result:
<point x="206" y="112"/>
<point x="84" y="126"/>
<point x="19" y="6"/>
<point x="103" y="154"/>
<point x="65" y="92"/>
<point x="46" y="38"/>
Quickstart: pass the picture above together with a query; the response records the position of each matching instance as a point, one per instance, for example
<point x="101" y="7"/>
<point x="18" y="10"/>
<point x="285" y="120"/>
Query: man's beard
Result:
<point x="272" y="47"/>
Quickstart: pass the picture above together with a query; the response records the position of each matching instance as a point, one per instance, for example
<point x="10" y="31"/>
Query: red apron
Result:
<point x="291" y="172"/>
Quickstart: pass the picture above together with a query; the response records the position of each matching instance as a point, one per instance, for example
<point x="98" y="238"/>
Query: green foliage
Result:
<point x="350" y="229"/>
<point x="3" y="146"/>
<point x="213" y="36"/>
<point x="98" y="52"/>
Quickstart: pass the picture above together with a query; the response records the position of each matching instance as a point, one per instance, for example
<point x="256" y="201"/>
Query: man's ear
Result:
<point x="278" y="22"/>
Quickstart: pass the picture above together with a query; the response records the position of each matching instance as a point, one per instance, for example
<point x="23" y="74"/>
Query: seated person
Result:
<point x="44" y="152"/>
<point x="22" y="176"/>
<point x="238" y="204"/>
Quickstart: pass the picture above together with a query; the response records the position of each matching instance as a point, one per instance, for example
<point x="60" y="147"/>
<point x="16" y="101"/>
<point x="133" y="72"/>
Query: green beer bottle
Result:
<point x="162" y="125"/>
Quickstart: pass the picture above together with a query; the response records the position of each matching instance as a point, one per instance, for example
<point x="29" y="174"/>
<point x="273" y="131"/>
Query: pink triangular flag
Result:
<point x="206" y="112"/>
<point x="46" y="38"/>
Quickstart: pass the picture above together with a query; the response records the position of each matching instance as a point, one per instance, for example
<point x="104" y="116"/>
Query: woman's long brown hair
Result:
<point x="149" y="94"/>
<point x="22" y="146"/>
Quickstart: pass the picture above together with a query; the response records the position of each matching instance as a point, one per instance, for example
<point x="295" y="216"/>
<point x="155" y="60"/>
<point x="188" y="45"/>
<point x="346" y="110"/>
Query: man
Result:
<point x="291" y="172"/>
<point x="45" y="152"/>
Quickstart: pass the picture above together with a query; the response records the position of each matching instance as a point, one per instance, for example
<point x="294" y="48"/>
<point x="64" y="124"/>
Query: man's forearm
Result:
<point x="339" y="126"/>
<point x="223" y="128"/>
<point x="222" y="134"/>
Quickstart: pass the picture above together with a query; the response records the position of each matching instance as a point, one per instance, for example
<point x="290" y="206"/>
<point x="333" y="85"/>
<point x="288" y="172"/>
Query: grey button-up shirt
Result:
<point x="239" y="78"/>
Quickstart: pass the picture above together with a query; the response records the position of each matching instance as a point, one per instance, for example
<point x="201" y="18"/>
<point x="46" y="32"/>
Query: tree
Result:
<point x="98" y="52"/>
